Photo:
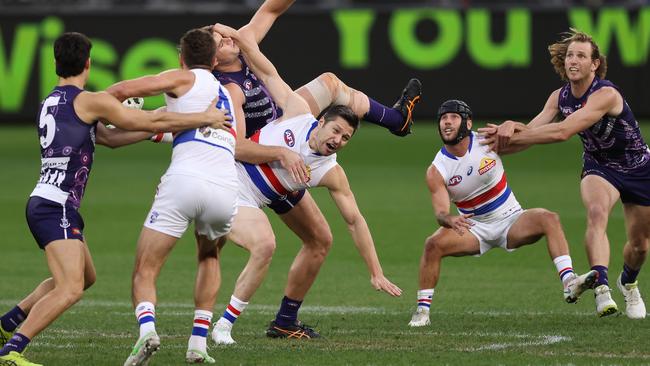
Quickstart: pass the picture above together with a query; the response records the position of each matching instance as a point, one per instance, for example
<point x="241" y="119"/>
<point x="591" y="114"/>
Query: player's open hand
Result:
<point x="504" y="133"/>
<point x="381" y="283"/>
<point x="294" y="163"/>
<point x="459" y="223"/>
<point x="225" y="31"/>
<point x="218" y="118"/>
<point x="489" y="136"/>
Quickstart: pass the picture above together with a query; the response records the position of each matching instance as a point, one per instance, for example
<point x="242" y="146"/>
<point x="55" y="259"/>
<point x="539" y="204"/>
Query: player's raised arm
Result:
<point x="94" y="106"/>
<point x="264" y="18"/>
<point x="337" y="183"/>
<point x="291" y="103"/>
<point x="440" y="201"/>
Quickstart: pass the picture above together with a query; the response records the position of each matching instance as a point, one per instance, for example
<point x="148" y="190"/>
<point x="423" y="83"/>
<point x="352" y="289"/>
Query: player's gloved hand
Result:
<point x="294" y="163"/>
<point x="381" y="283"/>
<point x="458" y="223"/>
<point x="218" y="118"/>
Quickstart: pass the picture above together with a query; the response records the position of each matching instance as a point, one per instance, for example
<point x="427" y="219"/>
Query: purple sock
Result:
<point x="602" y="275"/>
<point x="381" y="115"/>
<point x="628" y="275"/>
<point x="12" y="319"/>
<point x="288" y="313"/>
<point x="17" y="343"/>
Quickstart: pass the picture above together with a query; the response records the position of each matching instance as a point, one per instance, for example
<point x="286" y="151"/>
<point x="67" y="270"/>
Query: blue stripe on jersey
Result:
<point x="223" y="100"/>
<point x="259" y="182"/>
<point x="188" y="135"/>
<point x="490" y="206"/>
<point x="313" y="125"/>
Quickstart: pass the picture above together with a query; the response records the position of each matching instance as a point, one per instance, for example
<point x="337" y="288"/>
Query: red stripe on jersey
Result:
<point x="275" y="182"/>
<point x="485" y="196"/>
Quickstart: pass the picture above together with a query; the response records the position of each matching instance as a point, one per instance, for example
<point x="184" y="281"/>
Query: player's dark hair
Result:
<point x="71" y="51"/>
<point x="344" y="112"/>
<point x="198" y="48"/>
<point x="558" y="52"/>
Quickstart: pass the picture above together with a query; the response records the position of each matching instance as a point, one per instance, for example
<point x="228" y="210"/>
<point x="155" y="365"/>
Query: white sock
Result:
<point x="564" y="268"/>
<point x="233" y="310"/>
<point x="424" y="298"/>
<point x="202" y="320"/>
<point x="145" y="313"/>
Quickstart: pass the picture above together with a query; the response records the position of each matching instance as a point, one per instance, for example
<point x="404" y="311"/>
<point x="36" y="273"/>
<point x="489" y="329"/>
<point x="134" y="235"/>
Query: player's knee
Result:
<point x="89" y="279"/>
<point x="431" y="246"/>
<point x="72" y="292"/>
<point x="597" y="215"/>
<point x="551" y="219"/>
<point x="264" y="249"/>
<point x="321" y="240"/>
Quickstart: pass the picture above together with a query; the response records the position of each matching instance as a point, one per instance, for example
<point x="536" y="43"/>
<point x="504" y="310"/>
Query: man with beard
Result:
<point x="473" y="177"/>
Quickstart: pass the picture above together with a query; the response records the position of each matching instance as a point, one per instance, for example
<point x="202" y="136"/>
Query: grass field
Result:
<point x="501" y="308"/>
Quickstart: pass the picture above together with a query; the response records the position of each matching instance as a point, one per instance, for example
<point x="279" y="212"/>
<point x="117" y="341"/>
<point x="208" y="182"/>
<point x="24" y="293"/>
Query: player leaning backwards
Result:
<point x="473" y="177"/>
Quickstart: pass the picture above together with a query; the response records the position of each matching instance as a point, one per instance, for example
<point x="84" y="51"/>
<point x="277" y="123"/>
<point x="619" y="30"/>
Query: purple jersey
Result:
<point x="614" y="141"/>
<point x="259" y="107"/>
<point x="67" y="148"/>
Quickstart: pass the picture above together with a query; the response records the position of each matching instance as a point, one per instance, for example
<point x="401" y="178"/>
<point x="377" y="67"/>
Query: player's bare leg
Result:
<point x="535" y="223"/>
<point x="599" y="197"/>
<point x="635" y="251"/>
<point x="308" y="222"/>
<point x="152" y="251"/>
<point x="208" y="280"/>
<point x="260" y="243"/>
<point x="443" y="243"/>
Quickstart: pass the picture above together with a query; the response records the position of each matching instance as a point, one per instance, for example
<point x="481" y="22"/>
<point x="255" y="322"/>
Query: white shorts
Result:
<point x="494" y="234"/>
<point x="183" y="198"/>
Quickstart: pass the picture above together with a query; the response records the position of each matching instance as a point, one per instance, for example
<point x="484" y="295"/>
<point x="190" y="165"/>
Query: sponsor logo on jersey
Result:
<point x="454" y="180"/>
<point x="486" y="165"/>
<point x="289" y="139"/>
<point x="308" y="174"/>
<point x="470" y="170"/>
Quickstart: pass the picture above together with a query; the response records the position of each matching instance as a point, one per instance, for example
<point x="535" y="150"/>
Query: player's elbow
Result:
<point x="562" y="134"/>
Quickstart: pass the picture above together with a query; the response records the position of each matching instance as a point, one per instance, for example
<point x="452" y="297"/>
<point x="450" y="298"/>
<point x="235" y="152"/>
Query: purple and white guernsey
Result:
<point x="614" y="141"/>
<point x="259" y="108"/>
<point x="67" y="148"/>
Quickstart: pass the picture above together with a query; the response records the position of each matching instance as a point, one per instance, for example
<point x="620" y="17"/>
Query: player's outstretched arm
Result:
<point x="337" y="183"/>
<point x="175" y="82"/>
<point x="291" y="103"/>
<point x="103" y="106"/>
<point x="603" y="101"/>
<point x="441" y="202"/>
<point x="264" y="17"/>
<point x="117" y="137"/>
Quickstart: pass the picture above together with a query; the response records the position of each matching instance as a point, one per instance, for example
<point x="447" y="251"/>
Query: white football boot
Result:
<point x="221" y="332"/>
<point x="143" y="350"/>
<point x="579" y="284"/>
<point x="604" y="303"/>
<point x="634" y="306"/>
<point x="420" y="318"/>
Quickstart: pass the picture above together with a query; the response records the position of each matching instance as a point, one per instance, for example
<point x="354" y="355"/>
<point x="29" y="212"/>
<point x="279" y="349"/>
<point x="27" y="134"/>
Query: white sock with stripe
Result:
<point x="564" y="268"/>
<point x="233" y="310"/>
<point x="145" y="313"/>
<point x="198" y="339"/>
<point x="424" y="298"/>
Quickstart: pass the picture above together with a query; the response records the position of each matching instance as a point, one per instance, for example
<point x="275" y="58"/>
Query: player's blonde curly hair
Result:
<point x="558" y="52"/>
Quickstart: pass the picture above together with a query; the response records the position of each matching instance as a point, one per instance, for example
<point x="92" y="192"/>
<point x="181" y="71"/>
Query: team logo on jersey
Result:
<point x="308" y="174"/>
<point x="153" y="217"/>
<point x="205" y="131"/>
<point x="470" y="170"/>
<point x="289" y="139"/>
<point x="486" y="165"/>
<point x="64" y="223"/>
<point x="248" y="84"/>
<point x="455" y="180"/>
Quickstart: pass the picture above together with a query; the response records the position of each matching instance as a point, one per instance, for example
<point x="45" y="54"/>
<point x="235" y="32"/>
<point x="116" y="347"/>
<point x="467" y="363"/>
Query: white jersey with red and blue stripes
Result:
<point x="477" y="182"/>
<point x="271" y="179"/>
<point x="204" y="152"/>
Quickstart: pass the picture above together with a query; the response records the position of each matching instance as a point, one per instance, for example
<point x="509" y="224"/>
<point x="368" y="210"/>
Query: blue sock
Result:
<point x="629" y="274"/>
<point x="383" y="116"/>
<point x="288" y="313"/>
<point x="12" y="319"/>
<point x="17" y="343"/>
<point x="602" y="275"/>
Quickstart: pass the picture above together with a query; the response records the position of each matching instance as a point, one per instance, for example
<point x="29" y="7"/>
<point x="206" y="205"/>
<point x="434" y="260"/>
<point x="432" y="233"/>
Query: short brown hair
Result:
<point x="198" y="48"/>
<point x="558" y="52"/>
<point x="71" y="51"/>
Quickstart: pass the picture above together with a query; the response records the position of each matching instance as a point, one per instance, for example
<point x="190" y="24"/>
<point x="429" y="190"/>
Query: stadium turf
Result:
<point x="498" y="309"/>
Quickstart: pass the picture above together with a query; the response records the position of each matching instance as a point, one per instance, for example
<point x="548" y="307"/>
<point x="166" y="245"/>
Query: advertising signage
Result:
<point x="496" y="60"/>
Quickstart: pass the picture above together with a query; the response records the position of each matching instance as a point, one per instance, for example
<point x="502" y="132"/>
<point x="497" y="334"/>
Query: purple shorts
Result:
<point x="284" y="205"/>
<point x="634" y="186"/>
<point x="49" y="221"/>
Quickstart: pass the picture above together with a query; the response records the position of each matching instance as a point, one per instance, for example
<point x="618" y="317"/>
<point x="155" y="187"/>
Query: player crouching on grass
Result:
<point x="473" y="177"/>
